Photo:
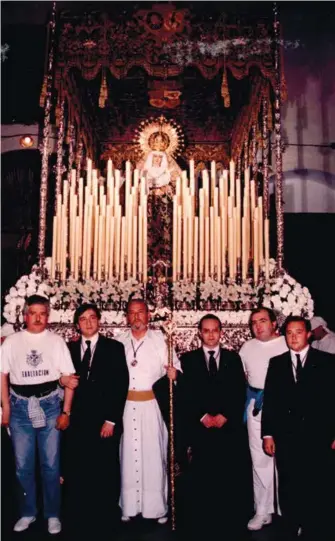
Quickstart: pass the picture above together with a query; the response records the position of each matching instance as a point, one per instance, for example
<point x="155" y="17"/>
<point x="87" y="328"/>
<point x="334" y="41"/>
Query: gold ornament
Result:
<point x="159" y="134"/>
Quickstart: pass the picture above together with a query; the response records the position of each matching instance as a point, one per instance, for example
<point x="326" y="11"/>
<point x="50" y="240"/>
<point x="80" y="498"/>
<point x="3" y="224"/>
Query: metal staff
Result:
<point x="45" y="146"/>
<point x="169" y="329"/>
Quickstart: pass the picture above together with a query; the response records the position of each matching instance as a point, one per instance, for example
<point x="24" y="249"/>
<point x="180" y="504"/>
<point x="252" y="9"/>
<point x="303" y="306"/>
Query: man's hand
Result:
<point x="107" y="430"/>
<point x="62" y="422"/>
<point x="5" y="415"/>
<point x="219" y="420"/>
<point x="171" y="372"/>
<point x="71" y="381"/>
<point x="269" y="446"/>
<point x="208" y="421"/>
<point x="333" y="445"/>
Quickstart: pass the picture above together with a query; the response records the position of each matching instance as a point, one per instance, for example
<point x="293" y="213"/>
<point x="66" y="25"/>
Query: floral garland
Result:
<point x="281" y="293"/>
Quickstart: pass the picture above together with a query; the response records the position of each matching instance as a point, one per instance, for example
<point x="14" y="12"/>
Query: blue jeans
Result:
<point x="24" y="438"/>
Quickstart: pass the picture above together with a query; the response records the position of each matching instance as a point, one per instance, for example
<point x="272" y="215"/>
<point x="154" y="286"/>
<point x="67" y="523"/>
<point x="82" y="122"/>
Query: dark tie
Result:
<point x="298" y="371"/>
<point x="85" y="363"/>
<point x="212" y="366"/>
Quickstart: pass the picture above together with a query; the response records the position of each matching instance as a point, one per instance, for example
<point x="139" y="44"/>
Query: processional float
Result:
<point x="217" y="224"/>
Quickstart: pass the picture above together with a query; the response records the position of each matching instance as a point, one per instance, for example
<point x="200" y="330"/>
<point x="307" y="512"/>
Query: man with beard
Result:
<point x="144" y="486"/>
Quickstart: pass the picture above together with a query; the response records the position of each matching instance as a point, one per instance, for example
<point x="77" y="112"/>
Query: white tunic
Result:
<point x="143" y="448"/>
<point x="327" y="343"/>
<point x="255" y="356"/>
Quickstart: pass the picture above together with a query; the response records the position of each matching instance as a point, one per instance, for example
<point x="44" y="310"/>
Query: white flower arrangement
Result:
<point x="184" y="291"/>
<point x="287" y="297"/>
<point x="283" y="294"/>
<point x="190" y="318"/>
<point x="65" y="297"/>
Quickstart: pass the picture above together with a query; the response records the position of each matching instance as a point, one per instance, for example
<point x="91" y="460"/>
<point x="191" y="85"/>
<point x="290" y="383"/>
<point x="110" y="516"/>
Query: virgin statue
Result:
<point x="158" y="142"/>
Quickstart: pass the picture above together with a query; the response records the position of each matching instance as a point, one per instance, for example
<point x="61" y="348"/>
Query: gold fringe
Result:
<point x="103" y="92"/>
<point x="225" y="90"/>
<point x="43" y="94"/>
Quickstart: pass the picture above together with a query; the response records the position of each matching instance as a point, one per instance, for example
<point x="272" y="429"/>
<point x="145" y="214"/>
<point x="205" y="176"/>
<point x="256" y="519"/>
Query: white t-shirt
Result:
<point x="256" y="355"/>
<point x="31" y="358"/>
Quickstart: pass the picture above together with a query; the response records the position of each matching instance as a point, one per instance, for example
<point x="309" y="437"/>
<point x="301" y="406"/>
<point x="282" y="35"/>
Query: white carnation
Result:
<point x="13" y="292"/>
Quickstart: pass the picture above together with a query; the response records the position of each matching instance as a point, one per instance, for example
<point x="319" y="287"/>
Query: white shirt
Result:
<point x="34" y="358"/>
<point x="216" y="354"/>
<point x="303" y="355"/>
<point x="83" y="345"/>
<point x="256" y="355"/>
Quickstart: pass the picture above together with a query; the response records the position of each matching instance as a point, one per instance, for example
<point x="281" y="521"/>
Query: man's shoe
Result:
<point x="124" y="518"/>
<point x="258" y="521"/>
<point x="23" y="523"/>
<point x="162" y="520"/>
<point x="54" y="525"/>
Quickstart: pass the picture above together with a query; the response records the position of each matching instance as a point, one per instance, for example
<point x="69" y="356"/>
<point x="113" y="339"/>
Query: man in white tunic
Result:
<point x="145" y="437"/>
<point x="255" y="355"/>
<point x="323" y="338"/>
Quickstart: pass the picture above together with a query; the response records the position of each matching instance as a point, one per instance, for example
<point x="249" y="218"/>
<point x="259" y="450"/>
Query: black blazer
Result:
<point x="102" y="397"/>
<point x="307" y="407"/>
<point x="227" y="396"/>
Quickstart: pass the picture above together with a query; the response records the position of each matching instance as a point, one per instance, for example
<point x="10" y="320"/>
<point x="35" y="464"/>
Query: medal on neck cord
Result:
<point x="134" y="361"/>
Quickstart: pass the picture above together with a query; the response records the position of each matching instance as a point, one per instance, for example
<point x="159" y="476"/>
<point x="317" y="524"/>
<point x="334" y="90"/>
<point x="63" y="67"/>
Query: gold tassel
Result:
<point x="225" y="90"/>
<point x="103" y="92"/>
<point x="43" y="94"/>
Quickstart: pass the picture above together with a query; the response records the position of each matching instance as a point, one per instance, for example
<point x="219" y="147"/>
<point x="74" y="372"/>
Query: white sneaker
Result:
<point x="54" y="525"/>
<point x="162" y="520"/>
<point x="124" y="518"/>
<point x="258" y="521"/>
<point x="23" y="523"/>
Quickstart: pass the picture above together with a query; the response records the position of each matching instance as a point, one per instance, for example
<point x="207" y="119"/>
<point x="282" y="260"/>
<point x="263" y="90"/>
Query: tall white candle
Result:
<point x="196" y="248"/>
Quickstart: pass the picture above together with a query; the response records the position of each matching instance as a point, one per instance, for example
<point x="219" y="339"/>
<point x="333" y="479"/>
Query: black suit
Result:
<point x="301" y="419"/>
<point x="220" y="457"/>
<point x="92" y="468"/>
